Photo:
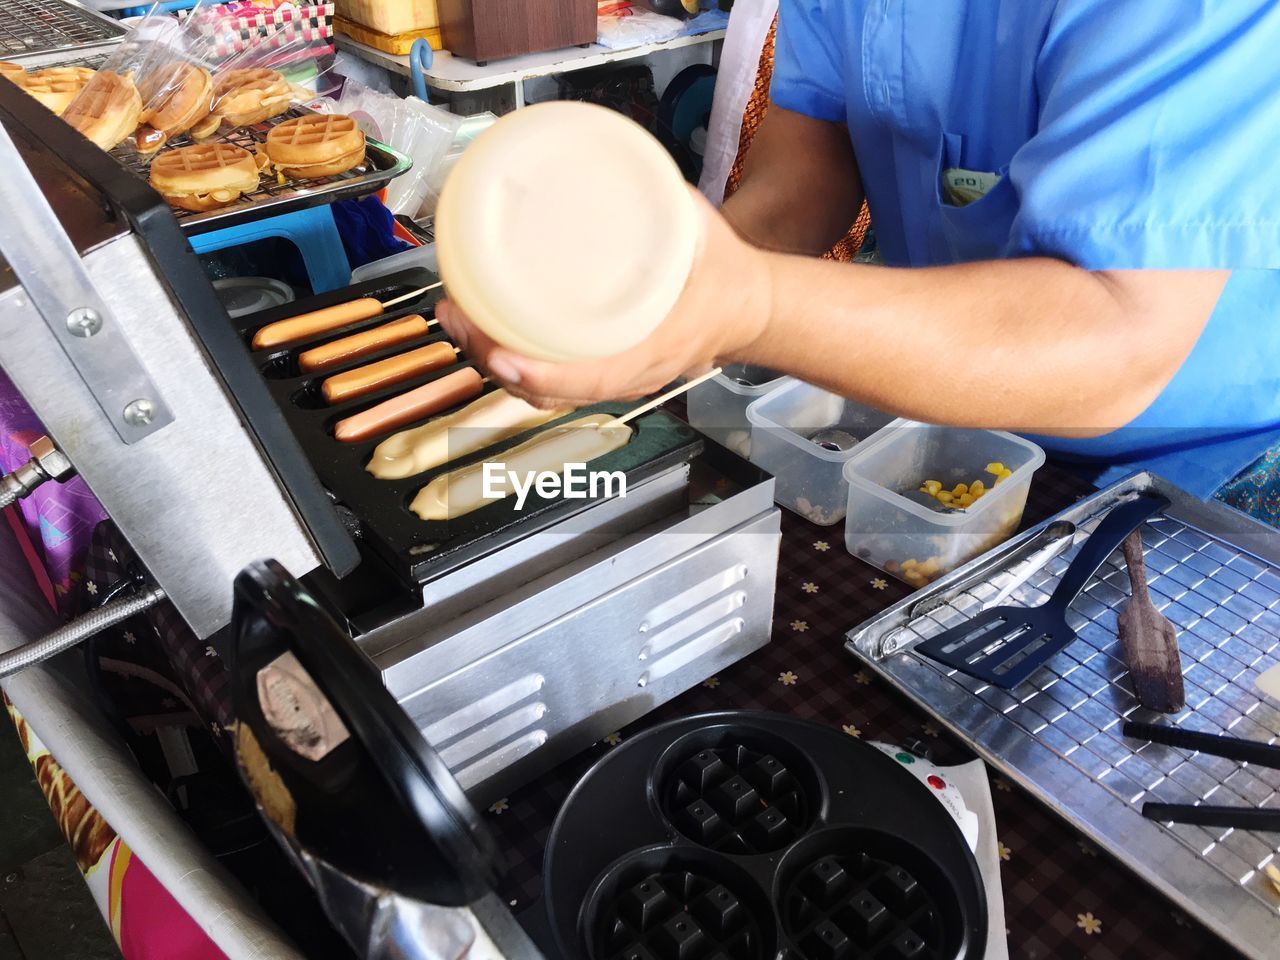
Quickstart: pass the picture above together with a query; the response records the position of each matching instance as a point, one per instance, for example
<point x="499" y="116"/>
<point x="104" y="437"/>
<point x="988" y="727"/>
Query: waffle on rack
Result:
<point x="107" y="110"/>
<point x="317" y="145"/>
<point x="54" y="87"/>
<point x="246" y="96"/>
<point x="178" y="97"/>
<point x="204" y="176"/>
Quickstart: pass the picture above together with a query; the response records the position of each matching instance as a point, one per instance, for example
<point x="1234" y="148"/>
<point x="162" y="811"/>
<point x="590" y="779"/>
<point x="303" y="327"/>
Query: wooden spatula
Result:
<point x="1150" y="641"/>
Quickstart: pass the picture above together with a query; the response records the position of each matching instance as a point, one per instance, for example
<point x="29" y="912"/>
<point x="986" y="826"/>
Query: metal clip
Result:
<point x="51" y="272"/>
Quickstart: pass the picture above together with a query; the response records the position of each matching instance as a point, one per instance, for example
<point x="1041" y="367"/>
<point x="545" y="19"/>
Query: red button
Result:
<point x="937" y="783"/>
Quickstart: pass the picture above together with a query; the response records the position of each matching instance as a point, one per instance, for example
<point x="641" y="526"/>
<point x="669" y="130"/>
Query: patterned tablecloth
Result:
<point x="1063" y="897"/>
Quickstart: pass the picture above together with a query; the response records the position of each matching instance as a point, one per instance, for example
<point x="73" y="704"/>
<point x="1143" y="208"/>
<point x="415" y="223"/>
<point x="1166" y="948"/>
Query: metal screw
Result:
<point x="139" y="413"/>
<point x="84" y="322"/>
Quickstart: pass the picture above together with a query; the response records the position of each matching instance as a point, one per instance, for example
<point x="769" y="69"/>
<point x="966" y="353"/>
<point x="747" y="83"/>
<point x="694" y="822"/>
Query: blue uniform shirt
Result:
<point x="1125" y="135"/>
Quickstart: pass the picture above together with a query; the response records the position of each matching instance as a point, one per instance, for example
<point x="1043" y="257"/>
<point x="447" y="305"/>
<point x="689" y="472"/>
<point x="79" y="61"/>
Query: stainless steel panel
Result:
<point x="514" y="584"/>
<point x="48" y="266"/>
<point x="545" y="694"/>
<point x="197" y="500"/>
<point x="1215" y="573"/>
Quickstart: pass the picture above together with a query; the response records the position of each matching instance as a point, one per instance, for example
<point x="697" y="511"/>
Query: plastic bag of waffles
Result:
<point x="213" y="75"/>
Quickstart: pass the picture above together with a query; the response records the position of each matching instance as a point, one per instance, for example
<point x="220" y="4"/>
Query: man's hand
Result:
<point x="724" y="307"/>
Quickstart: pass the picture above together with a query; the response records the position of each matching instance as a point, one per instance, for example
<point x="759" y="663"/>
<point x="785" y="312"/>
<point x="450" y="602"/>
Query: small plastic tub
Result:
<point x="718" y="408"/>
<point x="913" y="541"/>
<point x="805" y="436"/>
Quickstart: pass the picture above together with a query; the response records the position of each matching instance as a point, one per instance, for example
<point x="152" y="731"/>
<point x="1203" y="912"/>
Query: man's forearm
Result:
<point x="1032" y="344"/>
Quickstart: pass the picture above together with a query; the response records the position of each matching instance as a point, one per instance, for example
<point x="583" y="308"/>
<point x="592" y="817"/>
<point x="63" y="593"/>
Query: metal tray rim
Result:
<point x="305" y="198"/>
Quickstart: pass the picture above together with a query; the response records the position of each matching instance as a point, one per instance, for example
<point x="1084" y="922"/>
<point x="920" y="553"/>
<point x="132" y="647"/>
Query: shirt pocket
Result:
<point x="978" y="230"/>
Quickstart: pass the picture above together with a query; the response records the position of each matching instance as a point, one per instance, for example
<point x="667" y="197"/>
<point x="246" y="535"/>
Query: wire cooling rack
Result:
<point x="45" y="26"/>
<point x="1059" y="733"/>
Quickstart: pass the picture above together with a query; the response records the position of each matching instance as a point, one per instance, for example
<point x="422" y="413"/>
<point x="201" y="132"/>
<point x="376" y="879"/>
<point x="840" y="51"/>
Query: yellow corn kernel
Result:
<point x="914" y="577"/>
<point x="965" y="500"/>
<point x="930" y="567"/>
<point x="995" y="468"/>
<point x="932" y="487"/>
<point x="1001" y="479"/>
<point x="960" y="490"/>
<point x="979" y="495"/>
<point x="1273" y="874"/>
<point x="977" y="488"/>
<point x="1006" y="472"/>
<point x="908" y="564"/>
<point x="946" y="496"/>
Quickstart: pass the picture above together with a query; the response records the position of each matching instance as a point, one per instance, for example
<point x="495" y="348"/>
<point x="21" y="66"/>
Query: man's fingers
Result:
<point x="585" y="381"/>
<point x="544" y="384"/>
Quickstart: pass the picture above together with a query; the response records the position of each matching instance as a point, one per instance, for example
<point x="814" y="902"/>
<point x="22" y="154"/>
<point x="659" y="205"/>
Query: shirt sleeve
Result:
<point x="807" y="73"/>
<point x="1158" y="137"/>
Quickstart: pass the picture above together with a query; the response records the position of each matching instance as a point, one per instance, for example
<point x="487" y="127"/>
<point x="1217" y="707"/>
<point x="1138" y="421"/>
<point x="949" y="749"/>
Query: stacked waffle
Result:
<point x="180" y="98"/>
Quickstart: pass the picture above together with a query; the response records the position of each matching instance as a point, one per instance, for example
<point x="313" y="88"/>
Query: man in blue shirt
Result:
<point x="1076" y="209"/>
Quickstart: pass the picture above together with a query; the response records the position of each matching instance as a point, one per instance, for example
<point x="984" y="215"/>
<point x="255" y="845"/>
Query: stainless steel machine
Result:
<point x="514" y="649"/>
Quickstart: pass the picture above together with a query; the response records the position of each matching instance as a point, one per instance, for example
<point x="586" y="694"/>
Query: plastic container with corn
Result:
<point x="964" y="495"/>
<point x="972" y="500"/>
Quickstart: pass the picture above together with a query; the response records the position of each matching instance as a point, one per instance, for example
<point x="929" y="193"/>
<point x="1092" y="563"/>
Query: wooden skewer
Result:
<point x="659" y="401"/>
<point x="409" y="296"/>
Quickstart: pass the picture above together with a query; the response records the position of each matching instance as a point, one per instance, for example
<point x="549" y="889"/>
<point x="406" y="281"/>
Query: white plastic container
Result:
<point x="423" y="256"/>
<point x="804" y="436"/>
<point x="718" y="408"/>
<point x="900" y="536"/>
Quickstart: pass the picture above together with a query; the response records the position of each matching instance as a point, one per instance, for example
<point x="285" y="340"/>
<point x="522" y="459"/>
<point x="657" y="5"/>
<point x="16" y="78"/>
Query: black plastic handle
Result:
<point x="1103" y="542"/>
<point x="1208" y="815"/>
<point x="1230" y="748"/>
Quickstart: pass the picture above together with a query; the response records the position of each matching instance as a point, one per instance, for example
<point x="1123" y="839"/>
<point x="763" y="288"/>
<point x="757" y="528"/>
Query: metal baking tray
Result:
<point x="32" y="27"/>
<point x="1216" y="574"/>
<point x="382" y="164"/>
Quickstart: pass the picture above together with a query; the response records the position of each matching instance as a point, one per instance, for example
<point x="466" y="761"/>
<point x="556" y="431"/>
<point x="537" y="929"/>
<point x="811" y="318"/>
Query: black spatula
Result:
<point x="1005" y="645"/>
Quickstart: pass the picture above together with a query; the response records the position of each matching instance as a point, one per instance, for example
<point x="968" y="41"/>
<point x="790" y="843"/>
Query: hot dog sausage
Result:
<point x="388" y="372"/>
<point x="361" y="344"/>
<point x="420" y="402"/>
<point x="284" y="333"/>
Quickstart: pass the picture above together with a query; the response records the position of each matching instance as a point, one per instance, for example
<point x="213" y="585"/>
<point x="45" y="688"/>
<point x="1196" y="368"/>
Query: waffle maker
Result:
<point x="209" y="456"/>
<point x="729" y="836"/>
